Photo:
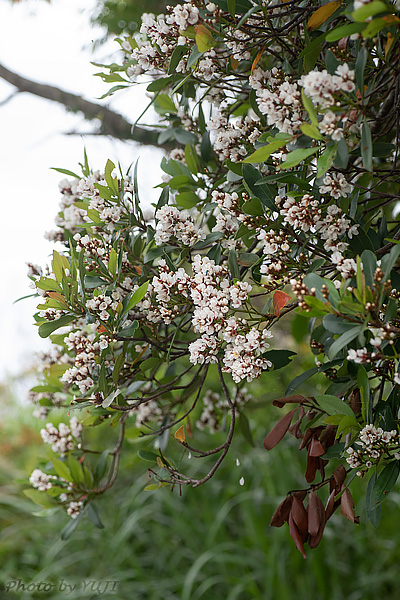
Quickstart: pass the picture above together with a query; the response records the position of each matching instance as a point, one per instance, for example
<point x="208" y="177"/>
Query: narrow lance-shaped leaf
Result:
<point x="322" y="14"/>
<point x="277" y="433"/>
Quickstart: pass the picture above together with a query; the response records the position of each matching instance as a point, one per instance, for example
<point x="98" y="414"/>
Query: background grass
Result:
<point x="209" y="543"/>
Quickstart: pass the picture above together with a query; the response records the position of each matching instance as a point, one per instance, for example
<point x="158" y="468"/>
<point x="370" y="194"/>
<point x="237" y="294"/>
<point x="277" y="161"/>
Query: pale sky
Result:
<point x="49" y="43"/>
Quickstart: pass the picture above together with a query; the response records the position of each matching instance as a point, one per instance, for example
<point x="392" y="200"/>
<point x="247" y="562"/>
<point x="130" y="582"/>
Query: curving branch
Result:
<point x="111" y="122"/>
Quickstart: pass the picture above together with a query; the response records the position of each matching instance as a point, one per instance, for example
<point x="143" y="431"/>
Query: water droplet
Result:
<point x="241" y="481"/>
<point x="237" y="462"/>
<point x="189" y="455"/>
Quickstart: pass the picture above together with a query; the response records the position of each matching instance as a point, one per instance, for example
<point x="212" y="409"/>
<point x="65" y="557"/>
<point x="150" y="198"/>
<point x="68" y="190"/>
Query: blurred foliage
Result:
<point x="210" y="542"/>
<point x="122" y="16"/>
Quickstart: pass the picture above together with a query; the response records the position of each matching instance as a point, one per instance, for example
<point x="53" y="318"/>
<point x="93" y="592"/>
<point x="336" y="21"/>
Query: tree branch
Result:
<point x="112" y="123"/>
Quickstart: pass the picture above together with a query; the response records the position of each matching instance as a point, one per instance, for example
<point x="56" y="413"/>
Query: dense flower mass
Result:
<point x="278" y="212"/>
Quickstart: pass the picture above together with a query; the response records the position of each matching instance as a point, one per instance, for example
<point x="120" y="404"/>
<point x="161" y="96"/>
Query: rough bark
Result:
<point x="111" y="122"/>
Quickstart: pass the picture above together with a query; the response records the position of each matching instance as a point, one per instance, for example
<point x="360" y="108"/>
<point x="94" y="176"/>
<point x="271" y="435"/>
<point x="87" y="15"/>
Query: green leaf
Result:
<point x="309" y="106"/>
<point x="45" y="329"/>
<point x="297" y="381"/>
<point x="343" y="31"/>
<point x="66" y="172"/>
<point x="166" y="103"/>
<point x="262" y="191"/>
<point x="94" y="515"/>
<point x="342" y="155"/>
<point x="61" y="469"/>
<point x="129" y="331"/>
<point x="311" y="131"/>
<point x="297" y="156"/>
<point x="279" y="358"/>
<point x="137" y="296"/>
<point x="233" y="264"/>
<point x="363" y="383"/>
<point x="373" y="510"/>
<point x="112" y="263"/>
<point x="118" y="365"/>
<point x="343" y="340"/>
<point x="70" y="527"/>
<point x="176" y="56"/>
<point x="385" y="482"/>
<point x="76" y="470"/>
<point x="187" y="199"/>
<point x="334" y="451"/>
<point x="231" y="7"/>
<point x="146" y="455"/>
<point x="366" y="146"/>
<point x="369" y="10"/>
<point x="40" y="498"/>
<point x="334" y="406"/>
<point x="92" y="282"/>
<point x="326" y="159"/>
<point x="263" y="153"/>
<point x="361" y="61"/>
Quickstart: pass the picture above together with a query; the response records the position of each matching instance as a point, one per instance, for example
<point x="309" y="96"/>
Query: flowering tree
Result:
<point x="279" y="198"/>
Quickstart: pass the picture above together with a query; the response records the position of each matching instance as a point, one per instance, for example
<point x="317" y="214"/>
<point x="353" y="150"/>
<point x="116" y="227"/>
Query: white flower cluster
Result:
<point x="63" y="439"/>
<point x="373" y="443"/>
<point x="230" y="140"/>
<point x="146" y="412"/>
<point x="40" y="480"/>
<point x="172" y="222"/>
<point x="278" y="98"/>
<point x="184" y="16"/>
<point x="300" y="214"/>
<point x="320" y="86"/>
<point x="335" y="185"/>
<point x="347" y="267"/>
<point x="207" y="66"/>
<point x="357" y="356"/>
<point x="334" y="225"/>
<point x="86" y="349"/>
<point x="100" y="304"/>
<point x="329" y="126"/>
<point x="216" y="406"/>
<point x="243" y="354"/>
<point x="74" y="508"/>
<point x="69" y="216"/>
<point x="238" y="45"/>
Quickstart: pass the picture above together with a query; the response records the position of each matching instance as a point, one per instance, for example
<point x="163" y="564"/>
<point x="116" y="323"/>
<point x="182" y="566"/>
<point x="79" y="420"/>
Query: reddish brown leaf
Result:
<point x="316" y="514"/>
<point x="299" y="515"/>
<point x="295" y="535"/>
<point x="295" y="428"/>
<point x="307" y="436"/>
<point x="280" y="299"/>
<point x="328" y="436"/>
<point x="277" y="433"/>
<point x="316" y="448"/>
<point x="297" y="398"/>
<point x="355" y="402"/>
<point x="281" y="514"/>
<point x="312" y="467"/>
<point x="339" y="476"/>
<point x="329" y="508"/>
<point x="314" y="540"/>
<point x="256" y="60"/>
<point x="347" y="506"/>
